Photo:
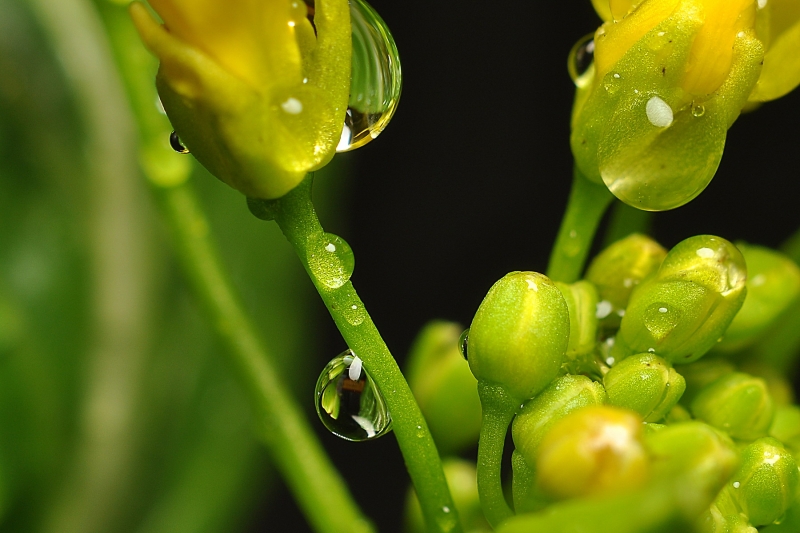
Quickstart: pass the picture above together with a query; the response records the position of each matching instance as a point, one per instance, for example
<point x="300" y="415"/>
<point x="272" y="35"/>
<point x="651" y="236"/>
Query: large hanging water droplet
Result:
<point x="375" y="78"/>
<point x="176" y="144"/>
<point x="463" y="340"/>
<point x="348" y="402"/>
<point x="330" y="259"/>
<point x="581" y="58"/>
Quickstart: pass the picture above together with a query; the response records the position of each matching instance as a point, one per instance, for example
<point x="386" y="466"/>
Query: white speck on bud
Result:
<point x="293" y="106"/>
<point x="603" y="309"/>
<point x="705" y="253"/>
<point x="330" y="247"/>
<point x="659" y="113"/>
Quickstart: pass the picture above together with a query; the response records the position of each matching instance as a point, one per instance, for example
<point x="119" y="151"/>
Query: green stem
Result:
<point x="297" y="218"/>
<point x="626" y="220"/>
<point x="587" y="203"/>
<point x="319" y="489"/>
<point x="498" y="411"/>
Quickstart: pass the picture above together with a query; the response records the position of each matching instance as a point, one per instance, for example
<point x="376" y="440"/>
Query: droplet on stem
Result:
<point x="463" y="340"/>
<point x="349" y="402"/>
<point x="580" y="61"/>
<point x="330" y="259"/>
<point x="175" y="143"/>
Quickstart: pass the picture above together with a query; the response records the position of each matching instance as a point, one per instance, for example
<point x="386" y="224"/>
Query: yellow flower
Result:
<point x="668" y="80"/>
<point x="256" y="96"/>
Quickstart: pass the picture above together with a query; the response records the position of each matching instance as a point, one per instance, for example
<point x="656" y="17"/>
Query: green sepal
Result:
<point x="738" y="404"/>
<point x="563" y="396"/>
<point x="766" y="483"/>
<point x="581" y="299"/>
<point x="644" y="383"/>
<point x="444" y="387"/>
<point x="519" y="335"/>
<point x="786" y="427"/>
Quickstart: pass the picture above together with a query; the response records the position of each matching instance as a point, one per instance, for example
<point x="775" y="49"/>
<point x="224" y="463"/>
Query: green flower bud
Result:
<point x="786" y="427"/>
<point x="767" y="481"/>
<point x="738" y="404"/>
<point x="678" y="414"/>
<point x="724" y="516"/>
<point x="702" y="373"/>
<point x="581" y="299"/>
<point x="682" y="310"/>
<point x="592" y="451"/>
<point x="462" y="481"/>
<point x="444" y="387"/>
<point x="644" y="383"/>
<point x="563" y="396"/>
<point x="699" y="457"/>
<point x="773" y="283"/>
<point x="519" y="335"/>
<point x="618" y="269"/>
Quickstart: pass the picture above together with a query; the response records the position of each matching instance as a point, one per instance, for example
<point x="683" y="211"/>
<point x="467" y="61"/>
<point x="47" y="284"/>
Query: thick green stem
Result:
<point x="296" y="453"/>
<point x="498" y="411"/>
<point x="587" y="203"/>
<point x="297" y="219"/>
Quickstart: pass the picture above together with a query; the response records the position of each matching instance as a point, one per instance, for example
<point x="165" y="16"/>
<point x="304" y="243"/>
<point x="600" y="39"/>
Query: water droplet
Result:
<point x="330" y="259"/>
<point x="660" y="320"/>
<point x="354" y="314"/>
<point x="659" y="113"/>
<point x="375" y="78"/>
<point x="698" y="110"/>
<point x="581" y="58"/>
<point x="463" y="340"/>
<point x="353" y="409"/>
<point x="175" y="143"/>
<point x="778" y="521"/>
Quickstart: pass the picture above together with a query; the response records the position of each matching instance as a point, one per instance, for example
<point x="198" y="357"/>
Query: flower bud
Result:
<point x="621" y="267"/>
<point x="581" y="299"/>
<point x="781" y="71"/>
<point x="594" y="450"/>
<point x="444" y="387"/>
<point x="702" y="373"/>
<point x="563" y="396"/>
<point x="682" y="310"/>
<point x="738" y="404"/>
<point x="644" y="383"/>
<point x="255" y="92"/>
<point x="519" y="335"/>
<point x="698" y="456"/>
<point x="773" y="283"/>
<point x="670" y="78"/>
<point x="786" y="427"/>
<point x="766" y="484"/>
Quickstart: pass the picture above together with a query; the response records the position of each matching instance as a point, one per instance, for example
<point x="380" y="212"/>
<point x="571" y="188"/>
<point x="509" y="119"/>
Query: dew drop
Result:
<point x="354" y="314"/>
<point x="348" y="402"/>
<point x="659" y="321"/>
<point x="330" y="259"/>
<point x="175" y="143"/>
<point x="580" y="61"/>
<point x="375" y="78"/>
<point x="698" y="110"/>
<point x="463" y="340"/>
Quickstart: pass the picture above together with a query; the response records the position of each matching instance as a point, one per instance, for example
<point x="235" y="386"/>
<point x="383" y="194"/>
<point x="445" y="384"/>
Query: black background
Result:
<point x="470" y="180"/>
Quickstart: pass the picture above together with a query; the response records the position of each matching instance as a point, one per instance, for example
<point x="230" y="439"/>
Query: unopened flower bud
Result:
<point x="702" y="373"/>
<point x="683" y="309"/>
<point x="621" y="267"/>
<point x="581" y="299"/>
<point x="738" y="404"/>
<point x="698" y="456"/>
<point x="563" y="396"/>
<point x="591" y="451"/>
<point x="786" y="427"/>
<point x="773" y="283"/>
<point x="644" y="383"/>
<point x="444" y="387"/>
<point x="519" y="335"/>
<point x="767" y="481"/>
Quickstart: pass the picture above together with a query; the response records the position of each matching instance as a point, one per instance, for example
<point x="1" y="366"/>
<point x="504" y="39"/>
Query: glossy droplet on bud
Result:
<point x="348" y="402"/>
<point x="463" y="341"/>
<point x="330" y="259"/>
<point x="580" y="61"/>
<point x="519" y="335"/>
<point x="767" y="481"/>
<point x="644" y="383"/>
<point x="375" y="80"/>
<point x="738" y="404"/>
<point x="175" y="143"/>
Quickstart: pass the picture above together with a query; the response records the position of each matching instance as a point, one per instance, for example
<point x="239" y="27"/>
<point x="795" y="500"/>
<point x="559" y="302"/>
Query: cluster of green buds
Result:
<point x="667" y="80"/>
<point x="638" y="385"/>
